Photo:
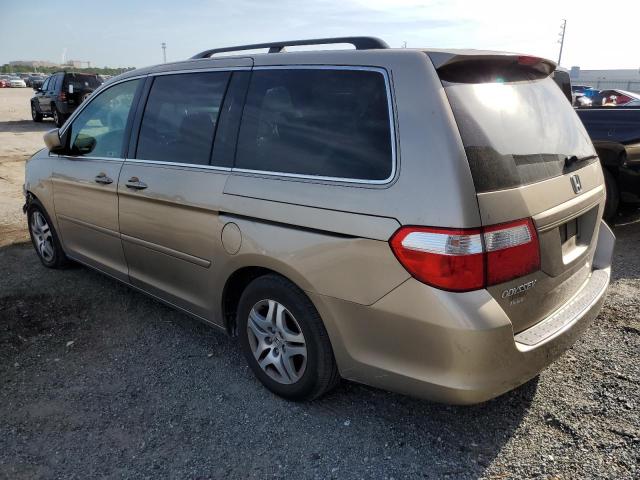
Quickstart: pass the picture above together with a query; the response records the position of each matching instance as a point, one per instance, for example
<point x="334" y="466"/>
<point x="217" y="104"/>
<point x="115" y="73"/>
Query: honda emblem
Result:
<point x="575" y="183"/>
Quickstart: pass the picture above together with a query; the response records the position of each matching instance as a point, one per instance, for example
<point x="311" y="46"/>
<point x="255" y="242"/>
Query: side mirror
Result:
<point x="52" y="141"/>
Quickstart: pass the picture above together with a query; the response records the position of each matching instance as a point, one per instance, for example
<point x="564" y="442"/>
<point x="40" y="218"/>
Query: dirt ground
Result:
<point x="98" y="381"/>
<point x="20" y="138"/>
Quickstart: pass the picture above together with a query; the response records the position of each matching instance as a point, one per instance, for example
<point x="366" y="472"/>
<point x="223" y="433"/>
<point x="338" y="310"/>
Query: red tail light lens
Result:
<point x="512" y="250"/>
<point x="63" y="97"/>
<point x="528" y="60"/>
<point x="468" y="259"/>
<point x="445" y="258"/>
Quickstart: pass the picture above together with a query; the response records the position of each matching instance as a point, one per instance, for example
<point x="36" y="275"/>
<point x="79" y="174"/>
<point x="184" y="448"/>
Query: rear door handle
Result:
<point x="135" y="184"/>
<point x="103" y="179"/>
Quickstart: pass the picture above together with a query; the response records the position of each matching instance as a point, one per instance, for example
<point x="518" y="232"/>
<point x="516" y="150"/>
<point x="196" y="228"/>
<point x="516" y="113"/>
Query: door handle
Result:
<point x="103" y="179"/>
<point x="136" y="184"/>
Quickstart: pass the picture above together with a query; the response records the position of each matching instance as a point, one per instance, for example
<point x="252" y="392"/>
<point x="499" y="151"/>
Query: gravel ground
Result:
<point x="100" y="381"/>
<point x="20" y="138"/>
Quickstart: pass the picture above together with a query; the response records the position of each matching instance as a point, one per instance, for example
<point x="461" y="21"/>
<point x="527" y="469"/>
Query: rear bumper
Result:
<point x="455" y="347"/>
<point x="64" y="108"/>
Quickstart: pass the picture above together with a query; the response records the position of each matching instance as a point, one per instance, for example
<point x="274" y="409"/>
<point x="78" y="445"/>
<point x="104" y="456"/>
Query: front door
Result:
<point x="170" y="191"/>
<point x="42" y="97"/>
<point x="85" y="181"/>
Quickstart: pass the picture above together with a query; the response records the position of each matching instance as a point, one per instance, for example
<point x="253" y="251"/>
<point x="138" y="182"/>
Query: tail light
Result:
<point x="63" y="97"/>
<point x="528" y="60"/>
<point x="468" y="259"/>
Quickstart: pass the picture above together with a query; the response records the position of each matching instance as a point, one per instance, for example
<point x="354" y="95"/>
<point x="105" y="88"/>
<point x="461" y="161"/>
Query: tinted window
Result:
<point x="81" y="82"/>
<point x="515" y="133"/>
<point x="99" y="129"/>
<point x="57" y="80"/>
<point x="180" y="118"/>
<point x="45" y="85"/>
<point x="331" y="123"/>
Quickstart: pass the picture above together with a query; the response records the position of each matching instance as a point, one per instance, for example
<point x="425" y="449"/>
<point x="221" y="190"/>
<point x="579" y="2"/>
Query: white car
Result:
<point x="16" y="82"/>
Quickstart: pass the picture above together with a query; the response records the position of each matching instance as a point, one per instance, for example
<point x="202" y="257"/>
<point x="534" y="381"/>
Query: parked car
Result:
<point x="16" y="82"/>
<point x="381" y="215"/>
<point x="60" y="95"/>
<point x="581" y="88"/>
<point x="35" y="81"/>
<point x="615" y="133"/>
<point x="4" y="81"/>
<point x="614" y="97"/>
<point x="586" y="90"/>
<point x="581" y="100"/>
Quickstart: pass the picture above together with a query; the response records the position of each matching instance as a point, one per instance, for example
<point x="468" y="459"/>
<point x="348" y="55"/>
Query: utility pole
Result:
<point x="164" y="52"/>
<point x="563" y="27"/>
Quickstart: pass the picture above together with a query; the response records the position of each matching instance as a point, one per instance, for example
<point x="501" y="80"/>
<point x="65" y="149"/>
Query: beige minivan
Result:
<point x="423" y="221"/>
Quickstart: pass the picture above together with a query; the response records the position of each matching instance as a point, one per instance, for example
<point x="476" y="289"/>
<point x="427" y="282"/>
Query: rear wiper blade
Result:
<point x="568" y="161"/>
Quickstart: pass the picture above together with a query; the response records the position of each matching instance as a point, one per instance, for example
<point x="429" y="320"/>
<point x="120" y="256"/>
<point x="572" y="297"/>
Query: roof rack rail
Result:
<point x="361" y="43"/>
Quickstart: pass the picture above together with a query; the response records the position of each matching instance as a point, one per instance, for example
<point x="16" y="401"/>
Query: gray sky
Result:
<point x="129" y="32"/>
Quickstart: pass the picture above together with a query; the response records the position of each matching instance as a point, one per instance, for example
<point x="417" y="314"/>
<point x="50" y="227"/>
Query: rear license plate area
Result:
<point x="576" y="235"/>
<point x="570" y="231"/>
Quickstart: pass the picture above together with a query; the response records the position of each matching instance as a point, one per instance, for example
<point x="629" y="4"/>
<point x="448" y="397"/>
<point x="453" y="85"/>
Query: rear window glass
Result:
<point x="516" y="133"/>
<point x="317" y="122"/>
<point x="82" y="81"/>
<point x="180" y="118"/>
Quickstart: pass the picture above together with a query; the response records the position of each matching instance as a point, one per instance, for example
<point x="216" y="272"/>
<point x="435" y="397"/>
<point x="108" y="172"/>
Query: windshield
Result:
<point x="515" y="133"/>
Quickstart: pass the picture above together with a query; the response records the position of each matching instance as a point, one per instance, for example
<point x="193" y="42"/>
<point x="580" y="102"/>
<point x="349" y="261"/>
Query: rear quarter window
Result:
<point x="317" y="122"/>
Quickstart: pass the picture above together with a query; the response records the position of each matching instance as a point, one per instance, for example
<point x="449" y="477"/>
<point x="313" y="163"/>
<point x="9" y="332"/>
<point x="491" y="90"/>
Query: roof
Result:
<point x="368" y="49"/>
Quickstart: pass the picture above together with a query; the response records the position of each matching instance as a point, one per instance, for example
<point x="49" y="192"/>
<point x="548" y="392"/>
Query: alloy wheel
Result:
<point x="277" y="341"/>
<point x="42" y="236"/>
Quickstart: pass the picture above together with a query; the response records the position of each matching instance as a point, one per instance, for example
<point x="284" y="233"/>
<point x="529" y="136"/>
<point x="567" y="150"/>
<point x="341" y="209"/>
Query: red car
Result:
<point x="4" y="83"/>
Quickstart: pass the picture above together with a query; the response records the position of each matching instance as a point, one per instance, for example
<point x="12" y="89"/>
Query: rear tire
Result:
<point x="283" y="320"/>
<point x="36" y="116"/>
<point x="44" y="237"/>
<point x="58" y="118"/>
<point x="613" y="197"/>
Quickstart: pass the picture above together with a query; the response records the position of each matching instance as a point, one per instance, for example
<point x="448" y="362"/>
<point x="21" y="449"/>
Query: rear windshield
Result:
<point x="82" y="81"/>
<point x="516" y="133"/>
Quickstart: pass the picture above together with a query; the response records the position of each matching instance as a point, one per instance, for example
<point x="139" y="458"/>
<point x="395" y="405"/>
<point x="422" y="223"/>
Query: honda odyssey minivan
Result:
<point x="423" y="221"/>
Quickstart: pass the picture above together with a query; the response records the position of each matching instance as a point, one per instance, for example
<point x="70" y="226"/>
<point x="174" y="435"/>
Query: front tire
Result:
<point x="44" y="237"/>
<point x="284" y="340"/>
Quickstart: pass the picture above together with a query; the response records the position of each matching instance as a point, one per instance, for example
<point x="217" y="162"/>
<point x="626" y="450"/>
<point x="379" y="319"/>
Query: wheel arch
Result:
<point x="239" y="278"/>
<point x="611" y="155"/>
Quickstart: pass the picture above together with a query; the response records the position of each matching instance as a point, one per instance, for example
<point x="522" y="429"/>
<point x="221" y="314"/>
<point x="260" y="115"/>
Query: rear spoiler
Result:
<point x="479" y="66"/>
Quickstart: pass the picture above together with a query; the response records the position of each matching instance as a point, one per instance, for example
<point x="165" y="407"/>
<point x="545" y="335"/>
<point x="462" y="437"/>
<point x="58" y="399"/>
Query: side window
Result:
<point x="55" y="81"/>
<point x="45" y="85"/>
<point x="320" y="122"/>
<point x="180" y="118"/>
<point x="99" y="129"/>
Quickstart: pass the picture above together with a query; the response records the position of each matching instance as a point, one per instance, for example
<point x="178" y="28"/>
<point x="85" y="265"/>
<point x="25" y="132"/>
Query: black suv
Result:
<point x="60" y="95"/>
